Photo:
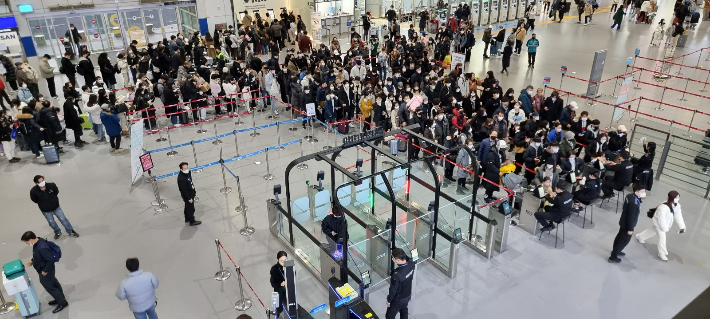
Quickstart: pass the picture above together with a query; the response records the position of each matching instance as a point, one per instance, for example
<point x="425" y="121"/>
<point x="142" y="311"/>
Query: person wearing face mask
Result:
<point x="43" y="262"/>
<point x="552" y="107"/>
<point x="346" y="98"/>
<point x="278" y="280"/>
<point x="366" y="111"/>
<point x="491" y="166"/>
<point x="532" y="44"/>
<point x="442" y="127"/>
<point x="417" y="78"/>
<point x="532" y="158"/>
<point x="623" y="174"/>
<point x="617" y="139"/>
<point x="548" y="170"/>
<point x="560" y="207"/>
<point x="525" y="99"/>
<point x="187" y="192"/>
<point x="567" y="115"/>
<point x="552" y="151"/>
<point x="591" y="133"/>
<point x="568" y="144"/>
<point x="463" y="161"/>
<point x="572" y="164"/>
<point x="556" y="134"/>
<point x="663" y="221"/>
<point x="500" y="125"/>
<point x="599" y="145"/>
<point x="627" y="222"/>
<point x="493" y="104"/>
<point x="46" y="196"/>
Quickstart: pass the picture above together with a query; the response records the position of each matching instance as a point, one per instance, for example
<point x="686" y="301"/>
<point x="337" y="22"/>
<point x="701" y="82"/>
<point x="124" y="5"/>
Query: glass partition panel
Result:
<point x="480" y="230"/>
<point x="442" y="252"/>
<point x="188" y="21"/>
<point x="170" y="23"/>
<point x="134" y="22"/>
<point x="306" y="249"/>
<point x="41" y="36"/>
<point x="686" y="162"/>
<point x="416" y="234"/>
<point x="371" y="254"/>
<point x="96" y="33"/>
<point x="153" y="25"/>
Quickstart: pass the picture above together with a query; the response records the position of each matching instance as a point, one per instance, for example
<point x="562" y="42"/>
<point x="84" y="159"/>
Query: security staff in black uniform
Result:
<point x="627" y="222"/>
<point x="560" y="207"/>
<point x="623" y="174"/>
<point x="187" y="192"/>
<point x="277" y="278"/>
<point x="401" y="285"/>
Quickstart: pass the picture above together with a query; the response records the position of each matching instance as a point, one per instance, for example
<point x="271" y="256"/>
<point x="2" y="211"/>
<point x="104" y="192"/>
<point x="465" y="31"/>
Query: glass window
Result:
<point x="153" y="25"/>
<point x="170" y="23"/>
<point x="134" y="22"/>
<point x="188" y="22"/>
<point x="96" y="33"/>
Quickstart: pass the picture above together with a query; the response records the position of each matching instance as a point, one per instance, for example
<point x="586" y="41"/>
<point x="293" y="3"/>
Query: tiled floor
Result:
<point x="531" y="279"/>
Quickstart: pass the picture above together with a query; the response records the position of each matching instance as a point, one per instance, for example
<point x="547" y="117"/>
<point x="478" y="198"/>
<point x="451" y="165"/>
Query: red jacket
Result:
<point x="2" y="85"/>
<point x="453" y="24"/>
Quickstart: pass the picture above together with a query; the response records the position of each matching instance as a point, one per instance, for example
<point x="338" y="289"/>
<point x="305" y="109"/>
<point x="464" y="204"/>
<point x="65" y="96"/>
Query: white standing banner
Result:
<point x="136" y="151"/>
<point x="316" y="26"/>
<point x="311" y="109"/>
<point x="457" y="58"/>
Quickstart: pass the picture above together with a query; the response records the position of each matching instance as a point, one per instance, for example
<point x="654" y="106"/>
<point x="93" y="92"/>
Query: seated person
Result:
<point x="589" y="191"/>
<point x="552" y="151"/>
<point x="548" y="170"/>
<point x="559" y="208"/>
<point x="334" y="224"/>
<point x="572" y="164"/>
<point x="623" y="173"/>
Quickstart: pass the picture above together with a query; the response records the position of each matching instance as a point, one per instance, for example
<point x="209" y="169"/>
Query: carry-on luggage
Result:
<point x="86" y="125"/>
<point x="343" y="128"/>
<point x="50" y="154"/>
<point x="695" y="17"/>
<point x="402" y="145"/>
<point x="13" y="269"/>
<point x="28" y="300"/>
<point x="394" y="148"/>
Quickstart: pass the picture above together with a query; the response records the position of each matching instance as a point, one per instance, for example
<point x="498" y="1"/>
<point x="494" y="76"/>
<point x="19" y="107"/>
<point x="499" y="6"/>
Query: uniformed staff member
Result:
<point x="187" y="192"/>
<point x="332" y="225"/>
<point x="560" y="207"/>
<point x="627" y="222"/>
<point x="401" y="285"/>
<point x="623" y="172"/>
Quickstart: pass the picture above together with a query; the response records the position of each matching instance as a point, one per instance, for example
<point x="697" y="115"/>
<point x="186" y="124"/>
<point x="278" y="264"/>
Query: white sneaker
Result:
<point x="2" y="154"/>
<point x="276" y="112"/>
<point x="40" y="156"/>
<point x="663" y="257"/>
<point x="639" y="239"/>
<point x="351" y="124"/>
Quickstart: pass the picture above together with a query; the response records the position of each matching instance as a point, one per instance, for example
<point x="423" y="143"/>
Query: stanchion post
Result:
<point x="244" y="303"/>
<point x="5" y="307"/>
<point x="268" y="175"/>
<point x="223" y="273"/>
<point x="638" y="87"/>
<point x="160" y="133"/>
<point x="194" y="155"/>
<point x="246" y="230"/>
<point x="242" y="204"/>
<point x="201" y="130"/>
<point x="700" y="56"/>
<point x="313" y="133"/>
<point x="172" y="151"/>
<point x="637" y="110"/>
<point x="616" y="83"/>
<point x="159" y="203"/>
<point x="682" y="98"/>
<point x="217" y="141"/>
<point x="706" y="83"/>
<point x="691" y="124"/>
<point x="659" y="108"/>
<point x="254" y="133"/>
<point x="294" y="126"/>
<point x="328" y="130"/>
<point x="236" y="143"/>
<point x="237" y="114"/>
<point x="278" y="137"/>
<point x="303" y="165"/>
<point x="681" y="66"/>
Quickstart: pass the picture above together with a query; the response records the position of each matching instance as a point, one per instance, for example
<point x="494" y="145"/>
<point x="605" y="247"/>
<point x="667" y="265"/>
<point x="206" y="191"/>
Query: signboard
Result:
<point x="596" y="74"/>
<point x="563" y="69"/>
<point x="136" y="151"/>
<point x="146" y="162"/>
<point x="637" y="51"/>
<point x="93" y="21"/>
<point x="96" y="35"/>
<point x="362" y="137"/>
<point x="315" y="25"/>
<point x="311" y="109"/>
<point x="340" y="302"/>
<point x="629" y="60"/>
<point x="623" y="97"/>
<point x="37" y="27"/>
<point x="546" y="80"/>
<point x="457" y="58"/>
<point x="318" y="309"/>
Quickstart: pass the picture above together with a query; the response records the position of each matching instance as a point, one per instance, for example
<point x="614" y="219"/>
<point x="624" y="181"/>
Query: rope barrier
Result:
<point x="675" y="76"/>
<point x="241" y="274"/>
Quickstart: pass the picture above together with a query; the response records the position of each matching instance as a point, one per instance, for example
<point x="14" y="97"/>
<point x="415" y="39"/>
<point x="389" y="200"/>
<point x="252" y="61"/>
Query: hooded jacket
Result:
<point x="48" y="199"/>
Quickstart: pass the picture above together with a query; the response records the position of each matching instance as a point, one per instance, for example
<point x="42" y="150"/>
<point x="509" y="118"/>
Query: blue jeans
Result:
<point x="383" y="72"/>
<point x="267" y="100"/>
<point x="150" y="313"/>
<point x="99" y="130"/>
<point x="264" y="49"/>
<point x="500" y="47"/>
<point x="62" y="219"/>
<point x="174" y="119"/>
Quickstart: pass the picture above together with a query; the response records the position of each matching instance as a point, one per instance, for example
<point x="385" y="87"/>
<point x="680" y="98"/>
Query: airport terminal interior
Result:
<point x="483" y="264"/>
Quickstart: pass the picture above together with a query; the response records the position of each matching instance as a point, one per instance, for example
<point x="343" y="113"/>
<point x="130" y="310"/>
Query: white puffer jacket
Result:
<point x="663" y="218"/>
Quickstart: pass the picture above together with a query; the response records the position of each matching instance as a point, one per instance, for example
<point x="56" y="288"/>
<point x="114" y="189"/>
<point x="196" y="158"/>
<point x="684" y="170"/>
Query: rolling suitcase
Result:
<point x="25" y="294"/>
<point x="394" y="148"/>
<point x="343" y="128"/>
<point x="50" y="154"/>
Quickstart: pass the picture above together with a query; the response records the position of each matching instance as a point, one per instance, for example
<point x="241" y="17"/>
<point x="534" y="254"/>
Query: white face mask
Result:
<point x="440" y="117"/>
<point x="516" y="106"/>
<point x="554" y="99"/>
<point x="42" y="183"/>
<point x="332" y="88"/>
<point x="676" y="200"/>
<point x="500" y="118"/>
<point x="454" y="101"/>
<point x="346" y="86"/>
<point x="549" y="166"/>
<point x="621" y="134"/>
<point x="555" y="150"/>
<point x="470" y="146"/>
<point x="584" y="118"/>
<point x="530" y="92"/>
<point x="602" y="140"/>
<point x="185" y="171"/>
<point x="306" y="91"/>
<point x="642" y="195"/>
<point x="458" y="90"/>
<point x="558" y="130"/>
<point x="495" y="96"/>
<point x="537" y="118"/>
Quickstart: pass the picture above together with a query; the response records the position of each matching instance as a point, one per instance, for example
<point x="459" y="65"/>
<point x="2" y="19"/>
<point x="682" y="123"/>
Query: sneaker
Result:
<point x="2" y="154"/>
<point x="195" y="223"/>
<point x="351" y="124"/>
<point x="663" y="257"/>
<point x="276" y="112"/>
<point x="120" y="150"/>
<point x="586" y="24"/>
<point x="74" y="234"/>
<point x="621" y="254"/>
<point x="614" y="260"/>
<point x="40" y="156"/>
<point x="57" y="235"/>
<point x="112" y="150"/>
<point x="639" y="239"/>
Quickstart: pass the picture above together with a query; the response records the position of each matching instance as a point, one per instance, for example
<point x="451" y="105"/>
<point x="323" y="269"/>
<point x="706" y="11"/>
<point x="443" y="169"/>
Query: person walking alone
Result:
<point x="400" y="286"/>
<point x="46" y="196"/>
<point x="532" y="45"/>
<point x="627" y="222"/>
<point x="43" y="261"/>
<point x="507" y="52"/>
<point x="618" y="18"/>
<point x="187" y="192"/>
<point x="139" y="288"/>
<point x="662" y="223"/>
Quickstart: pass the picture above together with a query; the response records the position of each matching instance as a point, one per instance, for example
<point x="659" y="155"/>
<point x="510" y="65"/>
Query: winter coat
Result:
<point x="112" y="123"/>
<point x="463" y="160"/>
<point x="491" y="168"/>
<point x="24" y="94"/>
<point x="71" y="116"/>
<point x="29" y="127"/>
<point x="46" y="70"/>
<point x="619" y="15"/>
<point x="139" y="288"/>
<point x="108" y="74"/>
<point x="95" y="113"/>
<point x="526" y="101"/>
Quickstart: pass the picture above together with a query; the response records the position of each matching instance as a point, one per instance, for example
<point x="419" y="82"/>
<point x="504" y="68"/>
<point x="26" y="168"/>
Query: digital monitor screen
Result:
<point x="366" y="278"/>
<point x="457" y="234"/>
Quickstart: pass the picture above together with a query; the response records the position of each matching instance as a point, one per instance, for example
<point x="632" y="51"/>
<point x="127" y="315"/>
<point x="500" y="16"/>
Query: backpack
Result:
<point x="56" y="251"/>
<point x="79" y="69"/>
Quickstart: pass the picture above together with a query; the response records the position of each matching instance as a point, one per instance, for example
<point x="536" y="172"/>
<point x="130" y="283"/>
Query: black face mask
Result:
<point x="494" y="138"/>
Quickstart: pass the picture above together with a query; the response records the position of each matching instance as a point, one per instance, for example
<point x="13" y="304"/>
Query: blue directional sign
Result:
<point x="317" y="309"/>
<point x="637" y="52"/>
<point x="342" y="301"/>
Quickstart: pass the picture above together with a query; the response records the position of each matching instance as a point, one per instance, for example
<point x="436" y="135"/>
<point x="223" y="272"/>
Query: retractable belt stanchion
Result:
<point x="5" y="307"/>
<point x="242" y="204"/>
<point x="217" y="141"/>
<point x="160" y="133"/>
<point x="616" y="83"/>
<point x="148" y="178"/>
<point x="637" y="110"/>
<point x="223" y="273"/>
<point x="172" y="151"/>
<point x="244" y="303"/>
<point x="638" y="87"/>
<point x="254" y="133"/>
<point x="226" y="189"/>
<point x="303" y="165"/>
<point x="706" y="83"/>
<point x="237" y="114"/>
<point x="246" y="230"/>
<point x="268" y="175"/>
<point x="307" y="137"/>
<point x="236" y="143"/>
<point x="278" y="137"/>
<point x="313" y="133"/>
<point x="202" y="124"/>
<point x="159" y="203"/>
<point x="691" y="124"/>
<point x="293" y="115"/>
<point x="327" y="143"/>
<point x="194" y="154"/>
<point x="659" y="108"/>
<point x="682" y="98"/>
<point x="681" y="66"/>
